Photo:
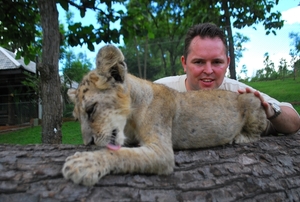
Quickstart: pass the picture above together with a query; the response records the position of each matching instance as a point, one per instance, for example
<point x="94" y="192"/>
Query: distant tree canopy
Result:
<point x="285" y="68"/>
<point x="272" y="72"/>
<point x="295" y="53"/>
<point x="76" y="66"/>
<point x="156" y="29"/>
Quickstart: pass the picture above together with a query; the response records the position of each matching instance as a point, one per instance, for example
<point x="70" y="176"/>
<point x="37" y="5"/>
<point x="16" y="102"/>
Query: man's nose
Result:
<point x="208" y="68"/>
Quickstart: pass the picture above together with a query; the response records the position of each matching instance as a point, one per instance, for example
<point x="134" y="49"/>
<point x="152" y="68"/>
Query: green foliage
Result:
<point x="295" y="53"/>
<point x="239" y="41"/>
<point x="71" y="135"/>
<point x="76" y="66"/>
<point x="161" y="26"/>
<point x="296" y="40"/>
<point x="33" y="83"/>
<point x="282" y="68"/>
<point x="154" y="66"/>
<point x="78" y="34"/>
<point x="268" y="73"/>
<point x="68" y="110"/>
<point x="20" y="29"/>
<point x="155" y="29"/>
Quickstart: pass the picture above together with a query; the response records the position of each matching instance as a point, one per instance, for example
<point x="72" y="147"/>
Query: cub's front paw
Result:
<point x="85" y="168"/>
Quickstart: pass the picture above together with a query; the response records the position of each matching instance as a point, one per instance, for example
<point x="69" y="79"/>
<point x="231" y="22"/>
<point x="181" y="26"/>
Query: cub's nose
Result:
<point x="91" y="142"/>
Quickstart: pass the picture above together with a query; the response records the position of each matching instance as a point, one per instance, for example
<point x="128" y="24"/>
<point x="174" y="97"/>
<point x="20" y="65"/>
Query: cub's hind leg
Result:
<point x="254" y="117"/>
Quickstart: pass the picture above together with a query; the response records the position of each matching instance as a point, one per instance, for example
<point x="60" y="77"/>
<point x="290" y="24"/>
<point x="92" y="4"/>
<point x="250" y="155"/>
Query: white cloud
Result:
<point x="292" y="15"/>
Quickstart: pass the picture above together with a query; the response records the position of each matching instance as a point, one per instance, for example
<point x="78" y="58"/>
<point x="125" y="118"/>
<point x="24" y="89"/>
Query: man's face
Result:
<point x="206" y="63"/>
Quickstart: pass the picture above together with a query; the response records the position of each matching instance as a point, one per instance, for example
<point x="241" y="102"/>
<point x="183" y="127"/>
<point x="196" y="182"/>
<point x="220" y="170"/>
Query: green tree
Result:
<point x="259" y="75"/>
<point x="247" y="13"/>
<point x="282" y="68"/>
<point x="156" y="27"/>
<point x="20" y="28"/>
<point x="48" y="68"/>
<point x="239" y="48"/>
<point x="244" y="71"/>
<point x="295" y="53"/>
<point x="76" y="67"/>
<point x="269" y="70"/>
<point x="137" y="32"/>
<point x="169" y="21"/>
<point x="267" y="73"/>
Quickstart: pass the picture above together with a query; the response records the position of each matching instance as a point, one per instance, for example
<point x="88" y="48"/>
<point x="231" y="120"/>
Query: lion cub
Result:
<point x="114" y="107"/>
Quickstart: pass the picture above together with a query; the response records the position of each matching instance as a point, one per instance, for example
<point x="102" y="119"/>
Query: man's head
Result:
<point x="205" y="58"/>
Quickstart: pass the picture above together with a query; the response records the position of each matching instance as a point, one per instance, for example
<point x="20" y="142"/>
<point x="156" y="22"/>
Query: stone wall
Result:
<point x="268" y="170"/>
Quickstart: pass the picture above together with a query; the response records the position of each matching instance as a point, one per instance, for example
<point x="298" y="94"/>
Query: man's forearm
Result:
<point x="287" y="122"/>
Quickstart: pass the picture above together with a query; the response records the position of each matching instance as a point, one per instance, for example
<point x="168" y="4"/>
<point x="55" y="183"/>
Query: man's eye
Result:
<point x="199" y="62"/>
<point x="218" y="62"/>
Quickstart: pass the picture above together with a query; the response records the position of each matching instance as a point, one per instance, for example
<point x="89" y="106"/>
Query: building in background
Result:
<point x="18" y="102"/>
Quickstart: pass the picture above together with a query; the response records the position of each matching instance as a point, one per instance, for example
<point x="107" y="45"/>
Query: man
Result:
<point x="205" y="62"/>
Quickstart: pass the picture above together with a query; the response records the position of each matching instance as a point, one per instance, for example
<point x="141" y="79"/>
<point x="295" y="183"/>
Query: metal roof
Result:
<point x="8" y="61"/>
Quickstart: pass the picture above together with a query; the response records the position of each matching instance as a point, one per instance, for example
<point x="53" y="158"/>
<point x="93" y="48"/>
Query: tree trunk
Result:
<point x="138" y="57"/>
<point x="230" y="39"/>
<point x="48" y="68"/>
<point x="163" y="59"/>
<point x="267" y="170"/>
<point x="145" y="57"/>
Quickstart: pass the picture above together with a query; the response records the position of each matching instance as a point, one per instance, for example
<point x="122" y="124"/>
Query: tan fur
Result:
<point x="160" y="119"/>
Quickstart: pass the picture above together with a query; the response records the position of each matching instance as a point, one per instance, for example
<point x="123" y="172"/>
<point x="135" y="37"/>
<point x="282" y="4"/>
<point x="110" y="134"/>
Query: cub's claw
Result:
<point x="84" y="168"/>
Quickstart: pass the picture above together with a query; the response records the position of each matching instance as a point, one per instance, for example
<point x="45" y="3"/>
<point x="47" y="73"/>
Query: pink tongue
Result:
<point x="113" y="147"/>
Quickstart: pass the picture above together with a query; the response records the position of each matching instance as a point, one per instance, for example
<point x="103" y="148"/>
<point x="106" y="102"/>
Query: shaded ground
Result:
<point x="268" y="170"/>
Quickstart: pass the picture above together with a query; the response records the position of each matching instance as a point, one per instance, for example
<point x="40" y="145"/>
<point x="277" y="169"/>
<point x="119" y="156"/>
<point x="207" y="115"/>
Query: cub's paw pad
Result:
<point x="83" y="168"/>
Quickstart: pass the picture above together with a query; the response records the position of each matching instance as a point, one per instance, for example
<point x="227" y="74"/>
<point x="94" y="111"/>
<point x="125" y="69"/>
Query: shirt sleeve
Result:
<point x="174" y="82"/>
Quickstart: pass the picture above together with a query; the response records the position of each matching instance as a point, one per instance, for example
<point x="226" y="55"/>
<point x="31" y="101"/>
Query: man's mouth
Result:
<point x="207" y="80"/>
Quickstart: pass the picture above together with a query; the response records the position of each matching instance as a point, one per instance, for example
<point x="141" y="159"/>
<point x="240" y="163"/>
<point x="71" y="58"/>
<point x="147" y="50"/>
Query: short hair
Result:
<point x="203" y="30"/>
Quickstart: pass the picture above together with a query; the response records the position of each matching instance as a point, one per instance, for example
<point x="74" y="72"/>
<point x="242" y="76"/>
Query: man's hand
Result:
<point x="268" y="109"/>
<point x="287" y="122"/>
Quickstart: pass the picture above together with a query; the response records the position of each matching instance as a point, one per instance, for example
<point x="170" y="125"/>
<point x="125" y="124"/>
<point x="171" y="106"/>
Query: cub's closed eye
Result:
<point x="90" y="109"/>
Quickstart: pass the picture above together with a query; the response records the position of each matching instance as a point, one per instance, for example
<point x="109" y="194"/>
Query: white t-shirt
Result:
<point x="178" y="83"/>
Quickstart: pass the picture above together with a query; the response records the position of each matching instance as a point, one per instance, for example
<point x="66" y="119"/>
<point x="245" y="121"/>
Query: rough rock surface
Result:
<point x="268" y="170"/>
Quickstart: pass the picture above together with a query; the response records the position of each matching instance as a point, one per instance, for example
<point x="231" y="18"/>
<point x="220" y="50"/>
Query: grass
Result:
<point x="287" y="91"/>
<point x="70" y="130"/>
<point x="284" y="91"/>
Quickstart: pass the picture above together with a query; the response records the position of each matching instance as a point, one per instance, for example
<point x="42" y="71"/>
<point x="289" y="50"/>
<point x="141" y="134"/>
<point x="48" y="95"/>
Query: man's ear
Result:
<point x="72" y="94"/>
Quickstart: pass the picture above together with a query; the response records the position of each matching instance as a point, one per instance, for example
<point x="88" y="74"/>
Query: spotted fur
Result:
<point x="115" y="108"/>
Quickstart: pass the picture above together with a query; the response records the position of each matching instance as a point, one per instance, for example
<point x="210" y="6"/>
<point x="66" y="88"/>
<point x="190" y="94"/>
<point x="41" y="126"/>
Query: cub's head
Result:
<point x="102" y="100"/>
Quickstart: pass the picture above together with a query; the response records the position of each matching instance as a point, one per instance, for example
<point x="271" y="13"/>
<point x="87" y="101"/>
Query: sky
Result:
<point x="278" y="46"/>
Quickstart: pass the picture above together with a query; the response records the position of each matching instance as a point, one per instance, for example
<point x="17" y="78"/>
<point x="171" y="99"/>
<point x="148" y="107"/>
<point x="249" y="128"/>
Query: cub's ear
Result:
<point x="72" y="94"/>
<point x="118" y="72"/>
<point x="110" y="64"/>
<point x="99" y="81"/>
